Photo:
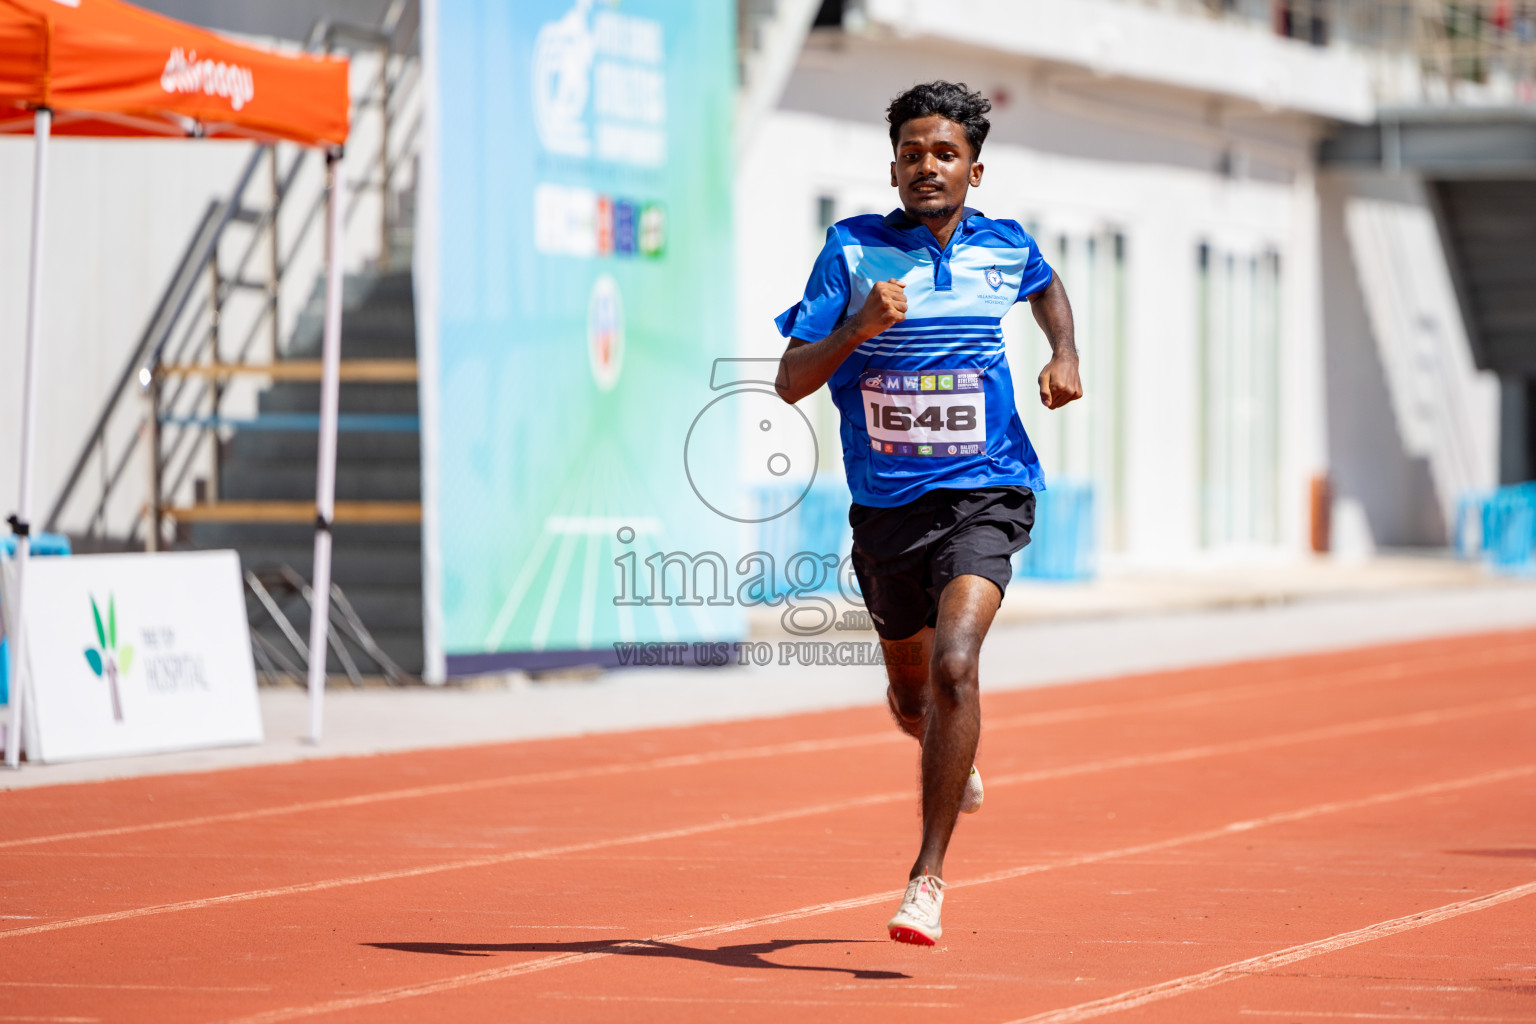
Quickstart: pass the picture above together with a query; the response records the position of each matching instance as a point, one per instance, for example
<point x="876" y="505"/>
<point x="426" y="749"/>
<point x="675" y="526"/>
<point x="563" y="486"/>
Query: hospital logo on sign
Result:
<point x="109" y="661"/>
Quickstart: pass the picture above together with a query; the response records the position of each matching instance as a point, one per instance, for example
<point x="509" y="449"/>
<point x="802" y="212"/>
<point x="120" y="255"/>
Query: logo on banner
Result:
<point x="184" y="73"/>
<point x="605" y="332"/>
<point x="573" y="221"/>
<point x="109" y="660"/>
<point x="614" y="62"/>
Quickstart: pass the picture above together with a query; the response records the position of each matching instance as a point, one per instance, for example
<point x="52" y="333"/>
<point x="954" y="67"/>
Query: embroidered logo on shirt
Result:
<point x="994" y="278"/>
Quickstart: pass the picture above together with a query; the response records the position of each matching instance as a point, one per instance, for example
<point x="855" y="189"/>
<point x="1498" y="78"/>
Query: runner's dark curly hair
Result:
<point x="950" y="100"/>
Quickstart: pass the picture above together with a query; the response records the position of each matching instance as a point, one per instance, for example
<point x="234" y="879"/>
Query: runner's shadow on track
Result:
<point x="746" y="955"/>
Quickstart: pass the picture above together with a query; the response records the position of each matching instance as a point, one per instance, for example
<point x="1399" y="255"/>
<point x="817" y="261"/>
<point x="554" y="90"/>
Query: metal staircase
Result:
<point x="266" y="482"/>
<point x="210" y="438"/>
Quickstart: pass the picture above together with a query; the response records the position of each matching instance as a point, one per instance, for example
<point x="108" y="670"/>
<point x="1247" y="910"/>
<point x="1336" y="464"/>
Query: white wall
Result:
<point x="119" y="214"/>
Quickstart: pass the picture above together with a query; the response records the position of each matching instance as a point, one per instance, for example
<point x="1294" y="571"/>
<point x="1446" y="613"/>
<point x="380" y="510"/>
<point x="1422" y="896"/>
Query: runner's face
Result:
<point x="933" y="170"/>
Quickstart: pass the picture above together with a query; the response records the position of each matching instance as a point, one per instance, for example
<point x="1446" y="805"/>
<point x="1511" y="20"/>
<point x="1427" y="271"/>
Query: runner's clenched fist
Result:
<point x="884" y="306"/>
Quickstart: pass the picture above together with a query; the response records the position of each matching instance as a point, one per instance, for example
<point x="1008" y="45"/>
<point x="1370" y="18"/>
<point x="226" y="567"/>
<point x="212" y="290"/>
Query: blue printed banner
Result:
<point x="584" y="290"/>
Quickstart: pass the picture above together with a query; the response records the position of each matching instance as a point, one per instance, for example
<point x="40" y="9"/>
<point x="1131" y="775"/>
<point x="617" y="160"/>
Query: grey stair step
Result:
<point x="1496" y="275"/>
<point x="304" y="396"/>
<point x="1501" y="319"/>
<point x="296" y="446"/>
<point x="378" y="337"/>
<point x="237" y="535"/>
<point x="291" y="481"/>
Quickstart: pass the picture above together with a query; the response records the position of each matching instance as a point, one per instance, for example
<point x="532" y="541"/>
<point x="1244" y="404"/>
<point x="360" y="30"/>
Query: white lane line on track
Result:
<point x="571" y="959"/>
<point x="136" y="988"/>
<point x="687" y="831"/>
<point x="1352" y="677"/>
<point x="723" y="1000"/>
<point x="1330" y="1015"/>
<point x="1327" y="732"/>
<point x="1269" y="961"/>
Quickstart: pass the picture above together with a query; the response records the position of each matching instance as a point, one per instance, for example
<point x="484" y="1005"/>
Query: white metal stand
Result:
<point x="325" y="482"/>
<point x="42" y="126"/>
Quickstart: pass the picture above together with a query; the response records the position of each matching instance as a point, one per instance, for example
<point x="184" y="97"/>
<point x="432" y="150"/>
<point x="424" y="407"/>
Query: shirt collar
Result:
<point x="899" y="220"/>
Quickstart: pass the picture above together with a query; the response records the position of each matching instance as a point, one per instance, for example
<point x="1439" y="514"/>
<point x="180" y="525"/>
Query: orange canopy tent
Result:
<point x="107" y="68"/>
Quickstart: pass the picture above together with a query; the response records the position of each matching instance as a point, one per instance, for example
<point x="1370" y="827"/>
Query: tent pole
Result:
<point x="325" y="482"/>
<point x="42" y="126"/>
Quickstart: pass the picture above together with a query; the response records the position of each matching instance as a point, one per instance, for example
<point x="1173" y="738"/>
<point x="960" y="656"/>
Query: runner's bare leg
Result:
<point x="906" y="666"/>
<point x="939" y="702"/>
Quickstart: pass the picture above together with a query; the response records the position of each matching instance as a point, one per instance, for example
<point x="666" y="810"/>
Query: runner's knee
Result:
<point x="955" y="674"/>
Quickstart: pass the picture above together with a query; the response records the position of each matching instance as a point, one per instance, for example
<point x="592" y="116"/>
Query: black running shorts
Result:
<point x="905" y="556"/>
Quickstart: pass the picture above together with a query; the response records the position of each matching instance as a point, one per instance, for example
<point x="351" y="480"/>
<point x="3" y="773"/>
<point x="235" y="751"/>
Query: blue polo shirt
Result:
<point x="928" y="403"/>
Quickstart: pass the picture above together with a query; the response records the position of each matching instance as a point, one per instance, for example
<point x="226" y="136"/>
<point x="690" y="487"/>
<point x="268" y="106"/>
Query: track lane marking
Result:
<point x="726" y="1000"/>
<point x="135" y="988"/>
<point x="1086" y="712"/>
<point x="1327" y="732"/>
<point x="1418" y="718"/>
<point x="1341" y="1015"/>
<point x="816" y="909"/>
<point x="1269" y="961"/>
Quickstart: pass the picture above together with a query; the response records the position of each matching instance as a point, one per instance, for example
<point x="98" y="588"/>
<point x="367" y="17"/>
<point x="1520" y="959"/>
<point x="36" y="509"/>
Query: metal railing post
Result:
<point x="386" y="220"/>
<point x="216" y="385"/>
<point x="274" y="285"/>
<point x="152" y="396"/>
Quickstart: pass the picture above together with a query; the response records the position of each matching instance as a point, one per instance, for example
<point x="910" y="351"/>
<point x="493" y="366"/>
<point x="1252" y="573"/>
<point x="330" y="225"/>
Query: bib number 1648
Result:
<point x="935" y="418"/>
<point x="936" y="412"/>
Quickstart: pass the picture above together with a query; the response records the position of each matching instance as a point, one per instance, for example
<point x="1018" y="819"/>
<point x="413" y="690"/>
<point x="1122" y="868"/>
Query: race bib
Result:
<point x="936" y="413"/>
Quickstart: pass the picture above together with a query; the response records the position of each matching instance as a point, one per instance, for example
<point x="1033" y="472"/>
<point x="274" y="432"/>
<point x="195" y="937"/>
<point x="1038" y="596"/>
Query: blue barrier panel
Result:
<point x="1061" y="545"/>
<point x="1499" y="527"/>
<point x="1467" y="533"/>
<point x="42" y="544"/>
<point x="818" y="524"/>
<point x="1509" y="529"/>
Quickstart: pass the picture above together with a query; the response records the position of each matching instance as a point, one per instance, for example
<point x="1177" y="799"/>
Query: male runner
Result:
<point x="901" y="317"/>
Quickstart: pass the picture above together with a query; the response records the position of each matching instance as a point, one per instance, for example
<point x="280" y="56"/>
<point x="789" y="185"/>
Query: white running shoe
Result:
<point x="917" y="921"/>
<point x="971" y="802"/>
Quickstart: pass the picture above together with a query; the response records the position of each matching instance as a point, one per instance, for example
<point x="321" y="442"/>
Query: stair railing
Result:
<point x="171" y="399"/>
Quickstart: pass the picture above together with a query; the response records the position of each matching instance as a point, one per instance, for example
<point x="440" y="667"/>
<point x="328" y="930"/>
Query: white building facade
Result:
<point x="1271" y="353"/>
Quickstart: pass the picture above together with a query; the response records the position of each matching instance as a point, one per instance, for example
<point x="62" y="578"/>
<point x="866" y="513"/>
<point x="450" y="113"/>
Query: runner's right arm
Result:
<point x="807" y="365"/>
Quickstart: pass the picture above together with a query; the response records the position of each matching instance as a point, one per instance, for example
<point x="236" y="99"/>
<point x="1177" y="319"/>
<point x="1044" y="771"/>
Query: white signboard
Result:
<point x="137" y="654"/>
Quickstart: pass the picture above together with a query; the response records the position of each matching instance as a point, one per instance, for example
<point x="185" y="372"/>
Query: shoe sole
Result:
<point x="911" y="936"/>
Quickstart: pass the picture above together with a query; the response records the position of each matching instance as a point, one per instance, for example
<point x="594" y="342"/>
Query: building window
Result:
<point x="826" y="213"/>
<point x="1084" y="442"/>
<point x="1239" y="393"/>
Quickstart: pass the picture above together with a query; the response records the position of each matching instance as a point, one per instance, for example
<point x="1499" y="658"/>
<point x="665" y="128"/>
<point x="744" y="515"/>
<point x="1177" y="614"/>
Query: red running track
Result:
<point x="1347" y="837"/>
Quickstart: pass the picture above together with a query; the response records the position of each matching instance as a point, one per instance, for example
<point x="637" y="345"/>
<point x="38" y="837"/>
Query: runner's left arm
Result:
<point x="1059" y="381"/>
